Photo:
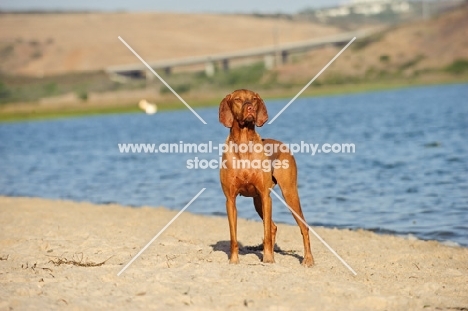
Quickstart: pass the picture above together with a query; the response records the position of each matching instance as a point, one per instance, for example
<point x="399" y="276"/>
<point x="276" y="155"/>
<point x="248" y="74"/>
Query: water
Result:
<point x="408" y="175"/>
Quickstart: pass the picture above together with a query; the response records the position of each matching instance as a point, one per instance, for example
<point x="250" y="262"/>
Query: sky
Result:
<point x="189" y="6"/>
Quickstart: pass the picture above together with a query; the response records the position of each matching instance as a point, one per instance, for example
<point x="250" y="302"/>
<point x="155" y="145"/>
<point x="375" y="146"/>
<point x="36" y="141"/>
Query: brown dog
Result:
<point x="253" y="172"/>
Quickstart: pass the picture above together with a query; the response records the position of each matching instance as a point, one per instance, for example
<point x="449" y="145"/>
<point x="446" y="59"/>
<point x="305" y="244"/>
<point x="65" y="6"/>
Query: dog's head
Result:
<point x="244" y="107"/>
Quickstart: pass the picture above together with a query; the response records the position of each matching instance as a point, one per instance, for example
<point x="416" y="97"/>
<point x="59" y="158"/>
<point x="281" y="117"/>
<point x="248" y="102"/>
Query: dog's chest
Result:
<point x="246" y="165"/>
<point x="248" y="181"/>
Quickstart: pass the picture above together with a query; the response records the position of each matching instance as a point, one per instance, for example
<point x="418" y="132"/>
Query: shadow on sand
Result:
<point x="225" y="246"/>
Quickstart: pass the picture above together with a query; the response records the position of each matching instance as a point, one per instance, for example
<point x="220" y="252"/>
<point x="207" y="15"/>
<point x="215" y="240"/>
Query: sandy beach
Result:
<point x="60" y="254"/>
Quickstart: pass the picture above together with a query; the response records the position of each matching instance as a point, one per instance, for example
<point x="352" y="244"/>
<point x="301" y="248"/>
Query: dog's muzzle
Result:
<point x="249" y="112"/>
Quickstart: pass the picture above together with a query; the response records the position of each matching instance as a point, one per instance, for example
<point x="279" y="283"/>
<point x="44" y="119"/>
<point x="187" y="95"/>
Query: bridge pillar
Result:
<point x="225" y="64"/>
<point x="149" y="76"/>
<point x="269" y="61"/>
<point x="209" y="68"/>
<point x="284" y="57"/>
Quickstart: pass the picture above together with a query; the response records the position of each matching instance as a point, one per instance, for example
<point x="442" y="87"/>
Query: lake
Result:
<point x="407" y="176"/>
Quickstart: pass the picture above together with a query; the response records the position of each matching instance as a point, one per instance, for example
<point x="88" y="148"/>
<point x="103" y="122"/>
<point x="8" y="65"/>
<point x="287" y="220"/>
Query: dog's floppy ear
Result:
<point x="262" y="114"/>
<point x="225" y="114"/>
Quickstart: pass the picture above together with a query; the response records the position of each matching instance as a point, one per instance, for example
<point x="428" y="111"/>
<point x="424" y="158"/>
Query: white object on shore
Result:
<point x="147" y="107"/>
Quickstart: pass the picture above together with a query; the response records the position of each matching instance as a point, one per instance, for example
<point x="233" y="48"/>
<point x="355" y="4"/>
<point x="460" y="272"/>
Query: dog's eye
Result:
<point x="237" y="99"/>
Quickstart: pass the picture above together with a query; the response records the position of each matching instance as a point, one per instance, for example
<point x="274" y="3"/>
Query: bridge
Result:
<point x="271" y="55"/>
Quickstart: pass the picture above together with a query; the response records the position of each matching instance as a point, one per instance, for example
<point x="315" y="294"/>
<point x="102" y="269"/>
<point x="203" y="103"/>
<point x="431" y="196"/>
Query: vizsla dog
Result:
<point x="252" y="172"/>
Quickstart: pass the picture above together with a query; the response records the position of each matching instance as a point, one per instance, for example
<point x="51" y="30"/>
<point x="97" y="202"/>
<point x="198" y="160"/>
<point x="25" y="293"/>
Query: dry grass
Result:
<point x="77" y="260"/>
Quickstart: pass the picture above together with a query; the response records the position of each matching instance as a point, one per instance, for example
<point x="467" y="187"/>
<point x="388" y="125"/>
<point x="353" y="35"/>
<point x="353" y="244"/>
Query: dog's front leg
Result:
<point x="232" y="217"/>
<point x="267" y="223"/>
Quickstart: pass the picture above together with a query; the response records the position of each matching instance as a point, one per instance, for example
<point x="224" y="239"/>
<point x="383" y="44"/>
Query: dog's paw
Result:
<point x="308" y="261"/>
<point x="234" y="261"/>
<point x="268" y="259"/>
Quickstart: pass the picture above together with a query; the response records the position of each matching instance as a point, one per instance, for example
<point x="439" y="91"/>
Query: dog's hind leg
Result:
<point x="287" y="181"/>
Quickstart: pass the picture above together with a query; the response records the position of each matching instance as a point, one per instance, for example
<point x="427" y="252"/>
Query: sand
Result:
<point x="187" y="266"/>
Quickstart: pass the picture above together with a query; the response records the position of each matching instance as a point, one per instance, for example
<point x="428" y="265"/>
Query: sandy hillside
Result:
<point x="418" y="46"/>
<point x="36" y="44"/>
<point x="187" y="266"/>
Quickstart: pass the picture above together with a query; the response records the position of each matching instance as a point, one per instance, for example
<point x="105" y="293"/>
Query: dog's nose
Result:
<point x="248" y="105"/>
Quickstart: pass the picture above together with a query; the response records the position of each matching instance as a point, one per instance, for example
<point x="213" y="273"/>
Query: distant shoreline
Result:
<point x="34" y="112"/>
